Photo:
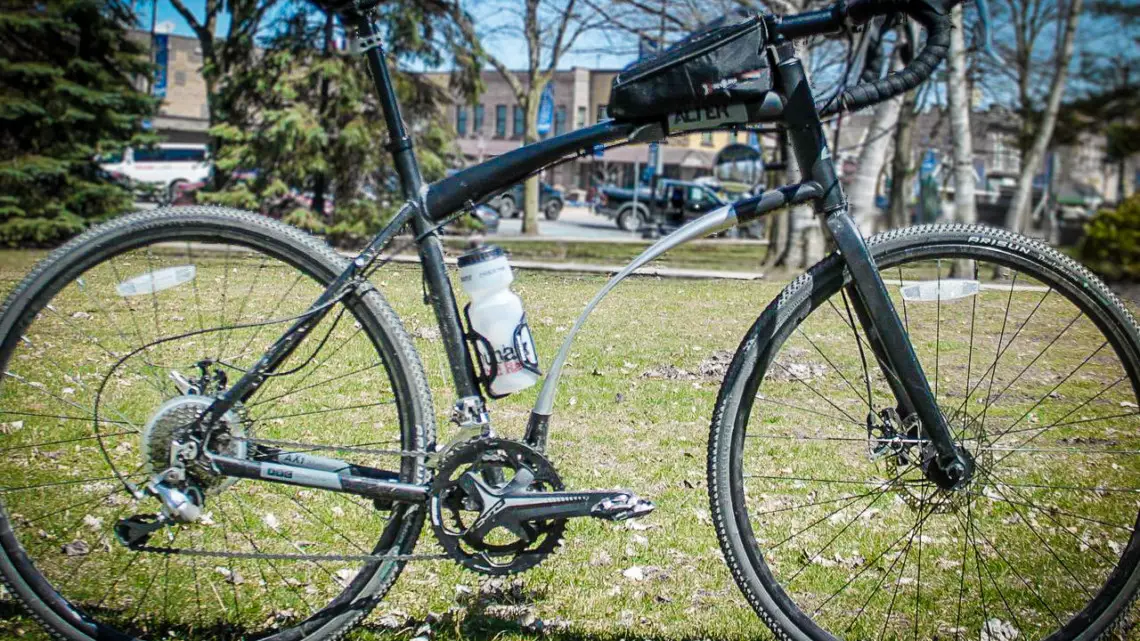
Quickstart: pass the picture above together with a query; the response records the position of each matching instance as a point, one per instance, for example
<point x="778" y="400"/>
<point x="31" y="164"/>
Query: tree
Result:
<point x="223" y="56"/>
<point x="961" y="140"/>
<point x="902" y="163"/>
<point x="872" y="155"/>
<point x="550" y="28"/>
<point x="69" y="96"/>
<point x="319" y="124"/>
<point x="1019" y="206"/>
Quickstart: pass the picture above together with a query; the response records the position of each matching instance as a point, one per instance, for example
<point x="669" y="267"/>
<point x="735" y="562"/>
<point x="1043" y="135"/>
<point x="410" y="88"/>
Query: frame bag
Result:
<point x="723" y="63"/>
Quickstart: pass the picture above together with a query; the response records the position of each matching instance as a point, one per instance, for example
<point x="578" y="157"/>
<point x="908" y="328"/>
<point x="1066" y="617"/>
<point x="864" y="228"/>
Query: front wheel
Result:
<point x="107" y="345"/>
<point x="821" y="506"/>
<point x="630" y="219"/>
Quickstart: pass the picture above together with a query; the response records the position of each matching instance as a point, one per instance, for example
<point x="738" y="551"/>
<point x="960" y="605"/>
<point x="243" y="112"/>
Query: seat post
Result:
<point x="399" y="142"/>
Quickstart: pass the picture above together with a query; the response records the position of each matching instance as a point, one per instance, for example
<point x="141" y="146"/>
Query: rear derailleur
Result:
<point x="499" y="507"/>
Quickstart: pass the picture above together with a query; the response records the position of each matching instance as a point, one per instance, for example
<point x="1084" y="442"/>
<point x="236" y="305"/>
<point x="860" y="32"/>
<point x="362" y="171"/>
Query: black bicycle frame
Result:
<point x="792" y="103"/>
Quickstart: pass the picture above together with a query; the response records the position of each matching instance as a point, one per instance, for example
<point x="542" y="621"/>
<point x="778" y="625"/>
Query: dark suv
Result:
<point x="509" y="203"/>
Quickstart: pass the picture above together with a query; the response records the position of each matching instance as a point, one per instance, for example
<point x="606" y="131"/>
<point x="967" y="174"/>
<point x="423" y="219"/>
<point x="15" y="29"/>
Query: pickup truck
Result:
<point x="681" y="200"/>
<point x="509" y="203"/>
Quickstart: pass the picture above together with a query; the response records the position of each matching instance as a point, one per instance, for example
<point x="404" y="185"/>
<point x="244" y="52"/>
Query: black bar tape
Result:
<point x="933" y="15"/>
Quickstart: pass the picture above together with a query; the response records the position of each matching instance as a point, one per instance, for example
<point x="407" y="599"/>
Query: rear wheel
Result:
<point x="823" y="512"/>
<point x="94" y="342"/>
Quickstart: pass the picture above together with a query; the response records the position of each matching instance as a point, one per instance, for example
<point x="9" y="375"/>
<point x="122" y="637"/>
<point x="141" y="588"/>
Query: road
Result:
<point x="575" y="222"/>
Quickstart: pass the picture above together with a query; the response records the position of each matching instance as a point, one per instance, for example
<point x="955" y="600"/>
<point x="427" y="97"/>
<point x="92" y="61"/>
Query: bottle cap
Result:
<point x="481" y="254"/>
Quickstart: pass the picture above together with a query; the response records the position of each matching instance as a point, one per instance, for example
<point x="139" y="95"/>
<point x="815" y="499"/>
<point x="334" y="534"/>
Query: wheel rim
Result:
<point x="60" y="366"/>
<point x="1027" y="545"/>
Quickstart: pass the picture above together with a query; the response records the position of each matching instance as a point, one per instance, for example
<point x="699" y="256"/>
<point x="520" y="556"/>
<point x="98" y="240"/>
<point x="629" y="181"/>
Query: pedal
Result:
<point x="621" y="507"/>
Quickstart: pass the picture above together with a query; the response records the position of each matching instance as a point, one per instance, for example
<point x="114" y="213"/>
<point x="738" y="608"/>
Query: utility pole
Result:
<point x="153" y="26"/>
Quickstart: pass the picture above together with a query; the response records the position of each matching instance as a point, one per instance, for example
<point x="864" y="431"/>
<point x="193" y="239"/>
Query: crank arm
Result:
<point x="512" y="506"/>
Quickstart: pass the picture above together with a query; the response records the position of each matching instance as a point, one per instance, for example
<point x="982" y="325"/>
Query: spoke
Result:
<point x="301" y="380"/>
<point x="1001" y="595"/>
<point x="244" y="301"/>
<point x="1040" y="538"/>
<point x="918" y="577"/>
<point x="815" y="503"/>
<point x="962" y="573"/>
<point x="843" y="376"/>
<point x="225" y="293"/>
<point x="937" y="334"/>
<point x="1046" y="428"/>
<point x="272" y="313"/>
<point x="1052" y="509"/>
<point x="814" y="391"/>
<point x="314" y="385"/>
<point x="324" y="411"/>
<point x="832" y="417"/>
<point x="16" y="448"/>
<point x="1001" y="352"/>
<point x="827" y="545"/>
<point x="805" y="479"/>
<point x="7" y="490"/>
<point x="326" y="524"/>
<point x="150" y="584"/>
<point x="867" y="566"/>
<point x="1005" y="499"/>
<point x="297" y="597"/>
<point x="969" y="356"/>
<point x="142" y="344"/>
<point x="43" y="390"/>
<point x="1079" y="421"/>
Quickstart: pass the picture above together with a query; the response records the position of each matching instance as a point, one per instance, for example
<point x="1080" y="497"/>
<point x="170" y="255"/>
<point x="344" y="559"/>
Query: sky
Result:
<point x="594" y="52"/>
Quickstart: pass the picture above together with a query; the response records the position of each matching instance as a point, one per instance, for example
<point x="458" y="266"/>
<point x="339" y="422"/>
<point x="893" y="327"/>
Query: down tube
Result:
<point x="742" y="211"/>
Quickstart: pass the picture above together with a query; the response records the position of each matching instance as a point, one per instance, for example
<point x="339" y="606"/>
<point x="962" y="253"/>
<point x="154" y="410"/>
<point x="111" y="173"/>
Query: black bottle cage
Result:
<point x="523" y="343"/>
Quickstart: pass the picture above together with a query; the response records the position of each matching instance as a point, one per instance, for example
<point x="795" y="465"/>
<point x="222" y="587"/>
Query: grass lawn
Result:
<point x="633" y="411"/>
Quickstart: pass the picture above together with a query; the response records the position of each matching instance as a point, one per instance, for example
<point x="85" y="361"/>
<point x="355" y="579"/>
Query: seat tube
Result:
<point x="438" y="290"/>
<point x="872" y="301"/>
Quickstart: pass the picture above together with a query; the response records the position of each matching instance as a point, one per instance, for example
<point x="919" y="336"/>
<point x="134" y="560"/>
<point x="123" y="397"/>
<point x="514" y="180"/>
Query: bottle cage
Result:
<point x="522" y="342"/>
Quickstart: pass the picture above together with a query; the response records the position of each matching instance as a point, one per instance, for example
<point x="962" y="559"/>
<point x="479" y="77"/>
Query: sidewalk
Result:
<point x="662" y="272"/>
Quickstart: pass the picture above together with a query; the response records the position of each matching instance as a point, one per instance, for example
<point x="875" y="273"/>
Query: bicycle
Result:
<point x="835" y="463"/>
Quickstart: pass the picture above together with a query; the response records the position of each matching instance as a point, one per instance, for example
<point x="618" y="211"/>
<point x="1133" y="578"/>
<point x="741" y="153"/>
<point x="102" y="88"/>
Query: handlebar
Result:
<point x="933" y="15"/>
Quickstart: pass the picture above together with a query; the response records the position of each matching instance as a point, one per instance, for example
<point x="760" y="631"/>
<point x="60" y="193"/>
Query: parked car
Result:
<point x="681" y="201"/>
<point x="509" y="203"/>
<point x="165" y="166"/>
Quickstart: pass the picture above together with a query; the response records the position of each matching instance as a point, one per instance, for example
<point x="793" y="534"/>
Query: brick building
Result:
<point x="183" y="116"/>
<point x="495" y="126"/>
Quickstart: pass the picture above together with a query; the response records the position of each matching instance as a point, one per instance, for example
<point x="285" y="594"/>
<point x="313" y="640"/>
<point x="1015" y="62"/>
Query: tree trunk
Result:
<point x="780" y="235"/>
<point x="530" y="189"/>
<point x="864" y="186"/>
<point x="961" y="142"/>
<point x="1019" y="207"/>
<point x="902" y="165"/>
<point x="321" y="180"/>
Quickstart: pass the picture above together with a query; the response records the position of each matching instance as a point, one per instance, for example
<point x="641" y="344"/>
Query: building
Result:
<point x="183" y="116"/>
<point x="495" y="126"/>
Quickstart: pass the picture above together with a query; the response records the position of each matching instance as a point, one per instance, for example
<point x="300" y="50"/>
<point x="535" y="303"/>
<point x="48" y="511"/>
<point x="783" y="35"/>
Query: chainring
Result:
<point x="454" y="511"/>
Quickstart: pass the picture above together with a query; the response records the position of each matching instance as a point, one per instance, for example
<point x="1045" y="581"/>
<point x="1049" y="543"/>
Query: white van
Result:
<point x="165" y="165"/>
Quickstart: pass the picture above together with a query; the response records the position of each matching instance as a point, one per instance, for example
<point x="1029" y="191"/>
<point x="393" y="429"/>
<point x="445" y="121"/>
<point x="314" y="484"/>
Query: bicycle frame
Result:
<point x="791" y="102"/>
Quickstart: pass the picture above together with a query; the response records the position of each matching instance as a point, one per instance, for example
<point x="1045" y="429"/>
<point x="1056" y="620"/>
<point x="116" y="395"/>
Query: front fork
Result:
<point x="950" y="466"/>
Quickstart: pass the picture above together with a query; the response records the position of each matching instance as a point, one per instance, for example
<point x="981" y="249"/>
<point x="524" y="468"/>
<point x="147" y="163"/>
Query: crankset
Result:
<point x="498" y="506"/>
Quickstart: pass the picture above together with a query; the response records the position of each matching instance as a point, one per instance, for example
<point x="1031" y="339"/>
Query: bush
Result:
<point x="1112" y="241"/>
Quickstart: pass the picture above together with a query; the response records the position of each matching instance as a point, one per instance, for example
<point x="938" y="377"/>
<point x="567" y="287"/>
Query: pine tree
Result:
<point x="319" y="130"/>
<point x="67" y="95"/>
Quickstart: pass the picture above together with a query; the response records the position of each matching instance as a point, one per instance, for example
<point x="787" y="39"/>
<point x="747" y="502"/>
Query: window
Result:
<point x="461" y="120"/>
<point x="601" y="113"/>
<point x="170" y="155"/>
<point x="706" y="139"/>
<point x="581" y="118"/>
<point x="519" y="122"/>
<point x="560" y="120"/>
<point x="1004" y="155"/>
<point x="477" y="126"/>
<point x="501" y="121"/>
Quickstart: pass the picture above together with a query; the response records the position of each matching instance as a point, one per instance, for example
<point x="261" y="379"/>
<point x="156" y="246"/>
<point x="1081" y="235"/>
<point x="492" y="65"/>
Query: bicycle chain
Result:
<point x="363" y="558"/>
<point x="305" y="447"/>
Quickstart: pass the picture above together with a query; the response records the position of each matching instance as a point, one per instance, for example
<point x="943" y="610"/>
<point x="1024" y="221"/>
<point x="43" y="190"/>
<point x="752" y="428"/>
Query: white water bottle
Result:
<point x="497" y="322"/>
